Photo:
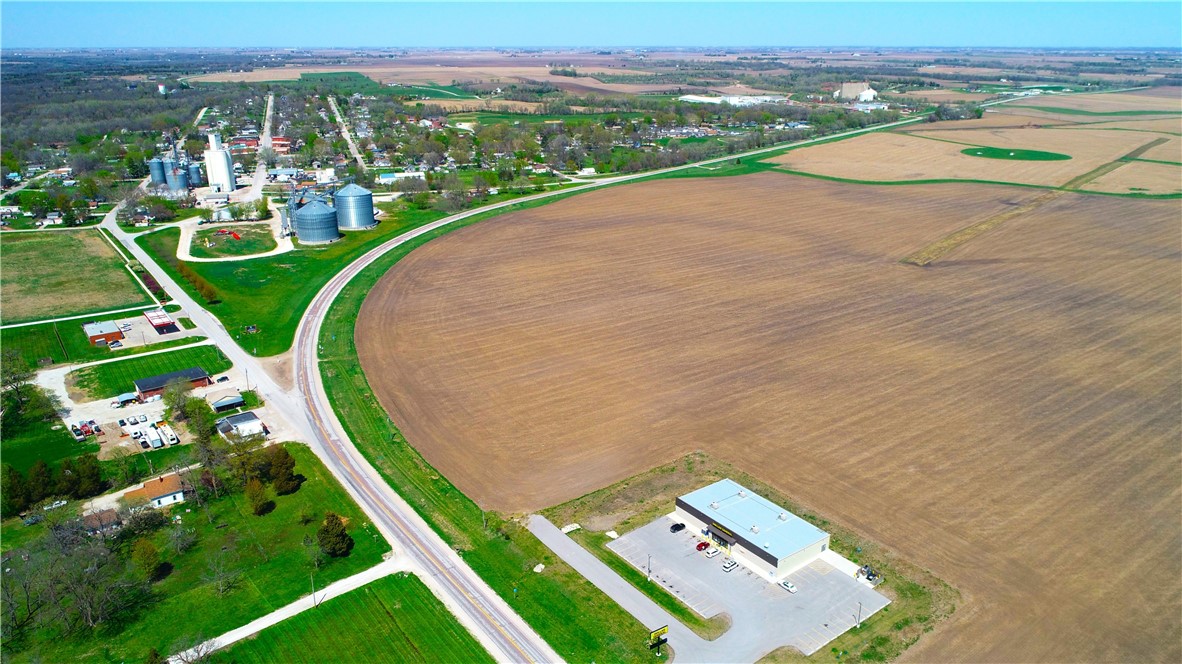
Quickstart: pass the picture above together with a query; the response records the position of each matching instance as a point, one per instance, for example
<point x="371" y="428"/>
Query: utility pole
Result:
<point x="650" y="568"/>
<point x="859" y="614"/>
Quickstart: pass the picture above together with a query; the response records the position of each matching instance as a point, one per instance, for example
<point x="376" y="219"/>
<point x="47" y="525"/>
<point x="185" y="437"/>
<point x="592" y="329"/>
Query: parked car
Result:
<point x="787" y="585"/>
<point x="54" y="505"/>
<point x="143" y="418"/>
<point x="116" y="404"/>
<point x="702" y="546"/>
<point x="115" y="344"/>
<point x="122" y="423"/>
<point x="713" y="552"/>
<point x="677" y="528"/>
<point x="729" y="565"/>
<point x="223" y="379"/>
<point x="143" y="443"/>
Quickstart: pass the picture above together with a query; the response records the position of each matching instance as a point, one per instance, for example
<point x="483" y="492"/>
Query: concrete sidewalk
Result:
<point x="196" y="653"/>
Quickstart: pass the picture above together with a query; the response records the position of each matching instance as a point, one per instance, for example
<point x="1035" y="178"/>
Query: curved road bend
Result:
<point x="307" y="410"/>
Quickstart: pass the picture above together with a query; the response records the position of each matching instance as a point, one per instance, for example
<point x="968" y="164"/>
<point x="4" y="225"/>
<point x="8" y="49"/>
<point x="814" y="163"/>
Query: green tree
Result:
<point x="13" y="492"/>
<point x="176" y="397"/>
<point x="15" y="374"/>
<point x="332" y="538"/>
<point x="146" y="557"/>
<point x="67" y="479"/>
<point x="40" y="482"/>
<point x="90" y="477"/>
<point x="283" y="471"/>
<point x="256" y="495"/>
<point x="154" y="657"/>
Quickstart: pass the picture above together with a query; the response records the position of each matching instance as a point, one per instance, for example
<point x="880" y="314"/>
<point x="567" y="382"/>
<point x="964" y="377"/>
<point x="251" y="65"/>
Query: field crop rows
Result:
<point x="114" y="378"/>
<point x="995" y="418"/>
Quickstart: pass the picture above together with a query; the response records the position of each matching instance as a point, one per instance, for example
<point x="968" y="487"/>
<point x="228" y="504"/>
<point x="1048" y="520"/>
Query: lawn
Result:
<point x="57" y="343"/>
<point x="268" y="552"/>
<point x="393" y="619"/>
<point x="24" y="440"/>
<point x="1019" y="155"/>
<point x="489" y="117"/>
<point x="108" y="380"/>
<point x="252" y="240"/>
<point x="573" y="616"/>
<point x="63" y="273"/>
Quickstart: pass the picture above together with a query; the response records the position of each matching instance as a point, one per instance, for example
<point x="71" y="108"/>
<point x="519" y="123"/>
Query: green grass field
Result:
<point x="574" y="617"/>
<point x="490" y="117"/>
<point x="393" y="619"/>
<point x="24" y="440"/>
<point x="63" y="273"/>
<point x="1017" y="155"/>
<point x="254" y="240"/>
<point x="65" y="342"/>
<point x="109" y="380"/>
<point x="267" y="550"/>
<point x="431" y="91"/>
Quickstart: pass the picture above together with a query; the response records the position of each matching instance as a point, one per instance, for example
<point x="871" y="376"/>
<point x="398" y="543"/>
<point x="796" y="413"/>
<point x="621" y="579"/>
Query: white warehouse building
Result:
<point x="219" y="166"/>
<point x="759" y="533"/>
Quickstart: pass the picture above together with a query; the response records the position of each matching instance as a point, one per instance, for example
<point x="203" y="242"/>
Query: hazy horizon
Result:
<point x="846" y="25"/>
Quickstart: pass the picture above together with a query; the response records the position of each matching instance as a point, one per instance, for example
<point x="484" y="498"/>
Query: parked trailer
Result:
<point x="170" y="435"/>
<point x="154" y="439"/>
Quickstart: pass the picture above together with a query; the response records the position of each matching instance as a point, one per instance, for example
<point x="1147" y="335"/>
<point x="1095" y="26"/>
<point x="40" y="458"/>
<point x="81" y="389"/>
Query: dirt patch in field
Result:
<point x="1008" y="418"/>
<point x="1156" y="99"/>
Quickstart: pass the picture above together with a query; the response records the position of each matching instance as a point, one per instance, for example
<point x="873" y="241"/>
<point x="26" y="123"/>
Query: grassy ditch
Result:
<point x="396" y="616"/>
<point x="108" y="380"/>
<point x="573" y="616"/>
<point x="919" y="600"/>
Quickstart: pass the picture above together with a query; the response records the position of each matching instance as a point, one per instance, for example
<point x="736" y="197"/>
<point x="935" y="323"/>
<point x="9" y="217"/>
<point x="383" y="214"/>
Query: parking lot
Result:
<point x="828" y="601"/>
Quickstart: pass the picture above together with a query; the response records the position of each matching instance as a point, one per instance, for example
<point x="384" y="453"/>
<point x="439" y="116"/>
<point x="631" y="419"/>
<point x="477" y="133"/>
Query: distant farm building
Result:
<point x="734" y="100"/>
<point x="103" y="333"/>
<point x="243" y="424"/>
<point x="759" y="533"/>
<point x="856" y="92"/>
<point x="160" y="492"/>
<point x="146" y="388"/>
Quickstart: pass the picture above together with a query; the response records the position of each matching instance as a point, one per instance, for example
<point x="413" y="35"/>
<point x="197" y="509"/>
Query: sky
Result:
<point x="295" y="23"/>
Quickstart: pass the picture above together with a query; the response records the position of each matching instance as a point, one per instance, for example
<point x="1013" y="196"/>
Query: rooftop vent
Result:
<point x="755" y="529"/>
<point x="767" y="545"/>
<point x="783" y="516"/>
<point x="714" y="505"/>
<point x="742" y="493"/>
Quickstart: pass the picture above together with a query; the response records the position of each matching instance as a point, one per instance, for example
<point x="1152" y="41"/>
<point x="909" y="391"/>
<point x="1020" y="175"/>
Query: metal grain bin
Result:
<point x="170" y="174"/>
<point x="156" y="170"/>
<point x="194" y="175"/>
<point x="354" y="208"/>
<point x="316" y="223"/>
<point x="182" y="179"/>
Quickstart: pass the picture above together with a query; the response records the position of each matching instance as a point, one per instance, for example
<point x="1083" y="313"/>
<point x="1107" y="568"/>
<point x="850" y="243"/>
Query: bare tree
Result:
<point x="199" y="650"/>
<point x="220" y="571"/>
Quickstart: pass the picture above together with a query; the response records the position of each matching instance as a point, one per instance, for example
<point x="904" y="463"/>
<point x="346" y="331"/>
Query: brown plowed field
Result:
<point x="1008" y="418"/>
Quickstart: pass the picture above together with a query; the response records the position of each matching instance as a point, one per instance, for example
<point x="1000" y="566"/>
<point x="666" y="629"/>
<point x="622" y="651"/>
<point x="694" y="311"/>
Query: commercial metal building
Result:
<point x="757" y="532"/>
<point x="146" y="388"/>
<point x="243" y="424"/>
<point x="102" y="333"/>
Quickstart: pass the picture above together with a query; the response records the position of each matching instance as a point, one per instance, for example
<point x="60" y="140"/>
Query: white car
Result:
<point x="143" y="418"/>
<point x="729" y="566"/>
<point x="713" y="552"/>
<point x="787" y="585"/>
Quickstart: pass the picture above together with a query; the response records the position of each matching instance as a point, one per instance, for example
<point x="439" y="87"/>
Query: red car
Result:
<point x="702" y="546"/>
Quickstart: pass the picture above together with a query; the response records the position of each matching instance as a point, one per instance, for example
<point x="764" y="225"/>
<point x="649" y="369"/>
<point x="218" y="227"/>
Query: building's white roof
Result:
<point x="743" y="512"/>
<point x="104" y="327"/>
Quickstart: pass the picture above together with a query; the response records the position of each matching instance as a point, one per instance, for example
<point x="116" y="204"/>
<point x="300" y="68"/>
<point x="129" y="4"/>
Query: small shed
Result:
<point x="103" y="333"/>
<point x="101" y="523"/>
<point x="223" y="400"/>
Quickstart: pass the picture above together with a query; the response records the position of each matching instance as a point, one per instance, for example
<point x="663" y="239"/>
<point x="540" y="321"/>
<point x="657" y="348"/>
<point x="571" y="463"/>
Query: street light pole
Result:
<point x="859" y="614"/>
<point x="650" y="568"/>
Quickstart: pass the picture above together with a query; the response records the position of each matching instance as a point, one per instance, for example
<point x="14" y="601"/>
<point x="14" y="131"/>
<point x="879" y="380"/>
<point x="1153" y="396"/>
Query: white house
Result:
<point x="160" y="492"/>
<point x="243" y="424"/>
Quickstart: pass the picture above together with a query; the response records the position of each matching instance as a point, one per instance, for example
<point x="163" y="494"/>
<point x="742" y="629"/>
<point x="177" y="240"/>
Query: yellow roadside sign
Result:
<point x="658" y="633"/>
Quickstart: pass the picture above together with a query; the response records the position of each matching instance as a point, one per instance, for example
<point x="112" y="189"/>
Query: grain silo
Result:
<point x="194" y="174"/>
<point x="170" y="173"/>
<point x="156" y="170"/>
<point x="181" y="179"/>
<point x="354" y="208"/>
<point x="316" y="223"/>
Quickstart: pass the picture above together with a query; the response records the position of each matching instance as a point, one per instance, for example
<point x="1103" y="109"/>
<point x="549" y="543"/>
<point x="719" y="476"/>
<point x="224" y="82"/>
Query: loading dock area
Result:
<point x="828" y="601"/>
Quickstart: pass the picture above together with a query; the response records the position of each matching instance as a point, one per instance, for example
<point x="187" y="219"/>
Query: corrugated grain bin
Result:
<point x="316" y="223"/>
<point x="156" y="170"/>
<point x="354" y="208"/>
